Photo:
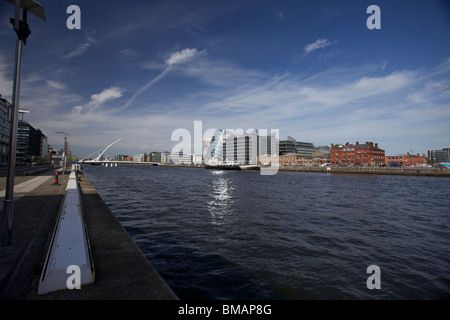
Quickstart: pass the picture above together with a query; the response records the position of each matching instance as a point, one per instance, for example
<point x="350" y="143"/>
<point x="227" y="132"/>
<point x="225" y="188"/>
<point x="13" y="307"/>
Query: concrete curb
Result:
<point x="70" y="249"/>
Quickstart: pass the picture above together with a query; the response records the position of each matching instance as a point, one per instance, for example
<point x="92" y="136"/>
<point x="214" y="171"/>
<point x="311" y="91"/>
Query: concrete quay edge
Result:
<point x="122" y="272"/>
<point x="434" y="172"/>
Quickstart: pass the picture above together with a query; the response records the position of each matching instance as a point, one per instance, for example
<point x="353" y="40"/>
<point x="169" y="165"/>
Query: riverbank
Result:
<point x="410" y="171"/>
<point x="440" y="172"/>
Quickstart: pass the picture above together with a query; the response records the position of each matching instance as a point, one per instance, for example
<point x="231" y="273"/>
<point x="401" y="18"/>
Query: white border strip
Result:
<point x="69" y="246"/>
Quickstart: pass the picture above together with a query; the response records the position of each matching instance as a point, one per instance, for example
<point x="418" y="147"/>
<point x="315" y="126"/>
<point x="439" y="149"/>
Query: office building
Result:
<point x="304" y="149"/>
<point x="32" y="144"/>
<point x="438" y="156"/>
<point x="4" y="129"/>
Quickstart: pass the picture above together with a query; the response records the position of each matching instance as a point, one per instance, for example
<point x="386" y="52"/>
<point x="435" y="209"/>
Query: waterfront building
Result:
<point x="438" y="156"/>
<point x="4" y="129"/>
<point x="321" y="153"/>
<point x="32" y="144"/>
<point x="367" y="154"/>
<point x="229" y="146"/>
<point x="306" y="149"/>
<point x="295" y="159"/>
<point x="138" y="158"/>
<point x="287" y="146"/>
<point x="155" y="157"/>
<point x="121" y="157"/>
<point x="405" y="160"/>
<point x="291" y="145"/>
<point x="165" y="157"/>
<point x="239" y="148"/>
<point x="267" y="145"/>
<point x="186" y="159"/>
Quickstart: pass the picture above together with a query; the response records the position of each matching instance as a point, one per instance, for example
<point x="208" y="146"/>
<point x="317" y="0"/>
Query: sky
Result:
<point x="312" y="69"/>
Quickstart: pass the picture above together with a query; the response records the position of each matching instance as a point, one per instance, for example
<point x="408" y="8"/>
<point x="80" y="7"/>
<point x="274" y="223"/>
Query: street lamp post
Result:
<point x="23" y="31"/>
<point x="65" y="151"/>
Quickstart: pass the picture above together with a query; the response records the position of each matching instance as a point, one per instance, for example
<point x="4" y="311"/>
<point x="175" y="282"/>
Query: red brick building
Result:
<point x="295" y="159"/>
<point x="405" y="160"/>
<point x="367" y="154"/>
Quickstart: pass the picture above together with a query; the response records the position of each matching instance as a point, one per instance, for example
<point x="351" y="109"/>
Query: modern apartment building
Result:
<point x="438" y="156"/>
<point x="239" y="147"/>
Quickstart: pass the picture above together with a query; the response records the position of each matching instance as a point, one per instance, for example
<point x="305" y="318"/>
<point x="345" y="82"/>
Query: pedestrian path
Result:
<point x="27" y="186"/>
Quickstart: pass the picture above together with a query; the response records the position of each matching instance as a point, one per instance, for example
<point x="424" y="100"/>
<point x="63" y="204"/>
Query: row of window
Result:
<point x="359" y="151"/>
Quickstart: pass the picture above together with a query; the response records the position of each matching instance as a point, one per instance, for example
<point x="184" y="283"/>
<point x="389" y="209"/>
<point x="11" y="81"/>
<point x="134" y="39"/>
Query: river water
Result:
<point x="240" y="235"/>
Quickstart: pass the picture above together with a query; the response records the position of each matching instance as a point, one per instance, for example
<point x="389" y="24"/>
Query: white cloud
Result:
<point x="99" y="99"/>
<point x="107" y="94"/>
<point x="318" y="44"/>
<point x="184" y="56"/>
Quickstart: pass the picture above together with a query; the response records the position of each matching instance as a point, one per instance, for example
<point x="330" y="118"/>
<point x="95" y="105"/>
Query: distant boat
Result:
<point x="213" y="164"/>
<point x="223" y="167"/>
<point x="250" y="167"/>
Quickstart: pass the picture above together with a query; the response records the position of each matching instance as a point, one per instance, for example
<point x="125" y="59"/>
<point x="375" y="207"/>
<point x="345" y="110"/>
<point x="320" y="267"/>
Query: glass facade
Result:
<point x="4" y="129"/>
<point x="31" y="143"/>
<point x="438" y="156"/>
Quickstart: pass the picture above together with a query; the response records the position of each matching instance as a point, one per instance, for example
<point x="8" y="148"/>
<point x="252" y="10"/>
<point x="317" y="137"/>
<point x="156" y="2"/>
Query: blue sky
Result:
<point x="311" y="69"/>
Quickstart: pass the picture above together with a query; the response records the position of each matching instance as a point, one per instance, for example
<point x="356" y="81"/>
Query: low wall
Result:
<point x="70" y="244"/>
<point x="443" y="172"/>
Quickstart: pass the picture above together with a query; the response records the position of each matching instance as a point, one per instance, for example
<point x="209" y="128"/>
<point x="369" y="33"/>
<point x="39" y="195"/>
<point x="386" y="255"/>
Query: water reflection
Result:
<point x="220" y="206"/>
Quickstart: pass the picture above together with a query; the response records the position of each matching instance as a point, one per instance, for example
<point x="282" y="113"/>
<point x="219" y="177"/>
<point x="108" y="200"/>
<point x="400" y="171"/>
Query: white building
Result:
<point x="139" y="158"/>
<point x="239" y="147"/>
<point x="184" y="158"/>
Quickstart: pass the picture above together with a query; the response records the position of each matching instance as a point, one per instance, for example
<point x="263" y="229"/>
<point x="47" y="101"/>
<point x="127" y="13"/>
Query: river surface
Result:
<point x="240" y="235"/>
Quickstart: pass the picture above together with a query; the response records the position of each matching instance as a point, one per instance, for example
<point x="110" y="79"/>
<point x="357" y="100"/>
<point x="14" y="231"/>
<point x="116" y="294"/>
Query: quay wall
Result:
<point x="122" y="272"/>
<point x="440" y="172"/>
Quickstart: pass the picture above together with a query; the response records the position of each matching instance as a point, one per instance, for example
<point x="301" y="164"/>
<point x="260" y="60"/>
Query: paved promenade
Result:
<point x="121" y="270"/>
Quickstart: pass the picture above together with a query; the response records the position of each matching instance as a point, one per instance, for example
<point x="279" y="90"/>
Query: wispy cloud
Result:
<point x="56" y="85"/>
<point x="318" y="44"/>
<point x="82" y="48"/>
<point x="176" y="58"/>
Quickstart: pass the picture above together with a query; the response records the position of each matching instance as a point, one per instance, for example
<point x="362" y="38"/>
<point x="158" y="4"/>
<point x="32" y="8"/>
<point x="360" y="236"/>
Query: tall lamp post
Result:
<point x="65" y="151"/>
<point x="23" y="31"/>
